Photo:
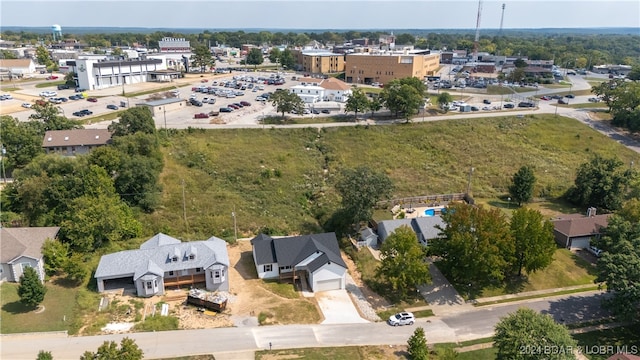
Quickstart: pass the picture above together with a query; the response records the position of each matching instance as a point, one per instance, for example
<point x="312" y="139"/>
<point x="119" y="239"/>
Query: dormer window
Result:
<point x="191" y="257"/>
<point x="174" y="259"/>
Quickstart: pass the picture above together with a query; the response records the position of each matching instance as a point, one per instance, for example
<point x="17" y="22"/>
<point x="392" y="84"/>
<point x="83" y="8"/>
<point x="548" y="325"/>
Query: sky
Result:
<point x="314" y="14"/>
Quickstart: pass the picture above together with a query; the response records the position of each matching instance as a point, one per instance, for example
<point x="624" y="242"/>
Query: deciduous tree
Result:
<point x="55" y="254"/>
<point x="444" y="99"/>
<point x="128" y="350"/>
<point x="44" y="355"/>
<point x="254" y="57"/>
<point x="475" y="246"/>
<point x="361" y="188"/>
<point x="49" y="115"/>
<point x="31" y="290"/>
<point x="357" y="102"/>
<point x="202" y="57"/>
<point x="525" y="334"/>
<point x="285" y="101"/>
<point x="601" y="183"/>
<point x="402" y="98"/>
<point x="134" y="120"/>
<point x="22" y="142"/>
<point x="418" y="349"/>
<point x="374" y="104"/>
<point x="522" y="184"/>
<point x="287" y="60"/>
<point x="533" y="239"/>
<point x="402" y="265"/>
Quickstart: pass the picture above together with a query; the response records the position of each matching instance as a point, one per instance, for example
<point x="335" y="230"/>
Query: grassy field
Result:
<point x="364" y="353"/>
<point x="104" y="117"/>
<point x="59" y="313"/>
<point x="567" y="269"/>
<point x="591" y="342"/>
<point x="50" y="84"/>
<point x="281" y="180"/>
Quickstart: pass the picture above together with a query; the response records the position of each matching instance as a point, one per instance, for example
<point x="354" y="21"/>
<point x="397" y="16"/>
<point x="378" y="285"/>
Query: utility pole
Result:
<point x="469" y="182"/>
<point x="184" y="205"/>
<point x="235" y="227"/>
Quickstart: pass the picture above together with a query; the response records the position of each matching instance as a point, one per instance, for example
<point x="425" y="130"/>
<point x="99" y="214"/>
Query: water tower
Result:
<point x="56" y="31"/>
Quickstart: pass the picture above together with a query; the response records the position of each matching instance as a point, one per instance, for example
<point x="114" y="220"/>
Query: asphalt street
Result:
<point x="477" y="323"/>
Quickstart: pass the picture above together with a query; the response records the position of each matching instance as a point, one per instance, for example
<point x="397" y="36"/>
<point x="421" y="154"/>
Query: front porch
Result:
<point x="184" y="280"/>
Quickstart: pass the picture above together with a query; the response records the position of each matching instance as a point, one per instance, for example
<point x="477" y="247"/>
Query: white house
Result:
<point x="312" y="259"/>
<point x="17" y="67"/>
<point x="313" y="90"/>
<point x="22" y="248"/>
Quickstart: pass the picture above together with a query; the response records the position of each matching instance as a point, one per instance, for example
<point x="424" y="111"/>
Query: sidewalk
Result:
<point x="517" y="296"/>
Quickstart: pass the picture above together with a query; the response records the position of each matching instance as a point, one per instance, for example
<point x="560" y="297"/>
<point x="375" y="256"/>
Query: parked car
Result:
<point x="569" y="96"/>
<point x="201" y="116"/>
<point x="245" y="103"/>
<point x="545" y="98"/>
<point x="226" y="109"/>
<point x="509" y="106"/>
<point x="63" y="87"/>
<point x="593" y="99"/>
<point x="112" y="107"/>
<point x="48" y="93"/>
<point x="6" y="97"/>
<point x="233" y="106"/>
<point x="475" y="108"/>
<point x="52" y="77"/>
<point x="595" y="251"/>
<point x="80" y="90"/>
<point x="403" y="318"/>
<point x="26" y="105"/>
<point x="92" y="99"/>
<point x="556" y="97"/>
<point x="526" y="104"/>
<point x="563" y="102"/>
<point x="325" y="111"/>
<point x="84" y="112"/>
<point x="486" y="101"/>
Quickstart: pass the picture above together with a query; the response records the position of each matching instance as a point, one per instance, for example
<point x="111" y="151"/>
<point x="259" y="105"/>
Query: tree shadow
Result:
<point x="584" y="264"/>
<point x="578" y="309"/>
<point x="17" y="307"/>
<point x="559" y="205"/>
<point x="515" y="284"/>
<point x="401" y="354"/>
<point x="65" y="282"/>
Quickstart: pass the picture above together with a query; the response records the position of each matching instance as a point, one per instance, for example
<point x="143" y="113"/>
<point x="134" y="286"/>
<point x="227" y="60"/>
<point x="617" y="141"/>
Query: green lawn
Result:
<point x="567" y="269"/>
<point x="50" y="84"/>
<point x="59" y="313"/>
<point x="482" y="354"/>
<point x="151" y="91"/>
<point x="588" y="105"/>
<point x="618" y="338"/>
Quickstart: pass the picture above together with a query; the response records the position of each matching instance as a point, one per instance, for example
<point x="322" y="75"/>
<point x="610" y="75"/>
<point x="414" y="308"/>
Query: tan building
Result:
<point x="319" y="62"/>
<point x="74" y="142"/>
<point x="367" y="68"/>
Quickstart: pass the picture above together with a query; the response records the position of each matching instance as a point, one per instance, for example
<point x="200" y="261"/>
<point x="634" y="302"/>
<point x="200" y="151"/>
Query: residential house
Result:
<point x="575" y="231"/>
<point x="17" y="67"/>
<point x="74" y="142"/>
<point x="368" y="237"/>
<point x="425" y="227"/>
<point x="312" y="90"/>
<point x="312" y="259"/>
<point x="164" y="261"/>
<point x="22" y="248"/>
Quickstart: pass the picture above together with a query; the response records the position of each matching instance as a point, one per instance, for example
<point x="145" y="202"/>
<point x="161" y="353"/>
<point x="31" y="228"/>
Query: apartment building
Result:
<point x="367" y="68"/>
<point x="318" y="61"/>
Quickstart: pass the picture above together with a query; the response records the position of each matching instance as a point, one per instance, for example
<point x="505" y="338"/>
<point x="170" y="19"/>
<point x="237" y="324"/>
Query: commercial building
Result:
<point x="158" y="107"/>
<point x="100" y="74"/>
<point x="168" y="44"/>
<point x="312" y="90"/>
<point x="367" y="68"/>
<point x="74" y="142"/>
<point x="318" y="61"/>
<point x="17" y="67"/>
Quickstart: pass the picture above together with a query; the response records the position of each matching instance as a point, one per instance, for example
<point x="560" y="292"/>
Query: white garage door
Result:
<point x="325" y="285"/>
<point x="580" y="243"/>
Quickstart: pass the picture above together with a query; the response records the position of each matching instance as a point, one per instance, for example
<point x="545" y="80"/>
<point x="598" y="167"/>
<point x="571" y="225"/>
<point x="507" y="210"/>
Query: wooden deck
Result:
<point x="184" y="280"/>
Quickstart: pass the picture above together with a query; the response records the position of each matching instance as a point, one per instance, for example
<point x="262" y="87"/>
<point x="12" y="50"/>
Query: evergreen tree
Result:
<point x="31" y="289"/>
<point x="418" y="349"/>
<point x="523" y="182"/>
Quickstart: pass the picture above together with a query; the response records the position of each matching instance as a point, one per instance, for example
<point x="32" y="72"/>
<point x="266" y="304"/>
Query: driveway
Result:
<point x="441" y="295"/>
<point x="337" y="308"/>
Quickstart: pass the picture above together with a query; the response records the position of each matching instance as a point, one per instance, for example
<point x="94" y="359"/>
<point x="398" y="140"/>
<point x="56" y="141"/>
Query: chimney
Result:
<point x="591" y="212"/>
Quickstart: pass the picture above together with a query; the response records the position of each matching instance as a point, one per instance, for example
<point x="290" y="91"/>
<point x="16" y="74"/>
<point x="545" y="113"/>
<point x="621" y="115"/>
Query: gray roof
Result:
<point x="368" y="233"/>
<point x="150" y="259"/>
<point x="26" y="241"/>
<point x="425" y="225"/>
<point x="289" y="251"/>
<point x="161" y="102"/>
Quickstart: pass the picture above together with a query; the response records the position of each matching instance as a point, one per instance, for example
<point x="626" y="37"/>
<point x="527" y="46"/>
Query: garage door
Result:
<point x="580" y="243"/>
<point x="325" y="285"/>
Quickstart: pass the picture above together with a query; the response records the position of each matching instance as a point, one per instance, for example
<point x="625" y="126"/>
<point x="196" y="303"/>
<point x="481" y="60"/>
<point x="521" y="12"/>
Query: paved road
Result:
<point x="477" y="323"/>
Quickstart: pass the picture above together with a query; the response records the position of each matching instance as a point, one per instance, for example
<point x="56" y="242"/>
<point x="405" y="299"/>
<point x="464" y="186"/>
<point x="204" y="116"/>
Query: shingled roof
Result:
<point x="26" y="241"/>
<point x="290" y="251"/>
<point x="76" y="137"/>
<point x="579" y="225"/>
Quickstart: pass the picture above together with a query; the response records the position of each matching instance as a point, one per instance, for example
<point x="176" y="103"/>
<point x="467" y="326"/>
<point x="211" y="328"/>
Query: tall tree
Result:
<point x="286" y="101"/>
<point x="49" y="115"/>
<point x="522" y="184"/>
<point x="55" y="254"/>
<point x="43" y="57"/>
<point x="403" y="265"/>
<point x="128" y="350"/>
<point x="254" y="57"/>
<point x="134" y="120"/>
<point x="274" y="55"/>
<point x="533" y="239"/>
<point x="444" y="98"/>
<point x="619" y="265"/>
<point x="527" y="335"/>
<point x="31" y="290"/>
<point x="21" y="141"/>
<point x="202" y="57"/>
<point x="418" y="349"/>
<point x="374" y="105"/>
<point x="361" y="188"/>
<point x="357" y="102"/>
<point x="401" y="99"/>
<point x="475" y="246"/>
<point x="600" y="182"/>
<point x="287" y="61"/>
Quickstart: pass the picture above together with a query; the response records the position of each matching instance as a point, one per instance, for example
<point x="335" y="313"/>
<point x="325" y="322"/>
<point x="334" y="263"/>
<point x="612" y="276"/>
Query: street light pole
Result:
<point x="469" y="182"/>
<point x="165" y="118"/>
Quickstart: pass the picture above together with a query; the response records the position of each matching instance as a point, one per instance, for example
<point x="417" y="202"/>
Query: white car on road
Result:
<point x="403" y="318"/>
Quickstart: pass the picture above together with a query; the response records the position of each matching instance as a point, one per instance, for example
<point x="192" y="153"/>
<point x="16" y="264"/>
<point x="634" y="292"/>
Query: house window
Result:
<point x="170" y="273"/>
<point x="222" y="272"/>
<point x="191" y="257"/>
<point x="268" y="267"/>
<point x="174" y="259"/>
<point x="216" y="274"/>
<point x="198" y="270"/>
<point x="149" y="285"/>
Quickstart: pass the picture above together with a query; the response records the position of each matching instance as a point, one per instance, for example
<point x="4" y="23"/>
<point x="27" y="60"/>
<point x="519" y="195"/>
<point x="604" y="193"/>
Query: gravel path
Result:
<point x="360" y="301"/>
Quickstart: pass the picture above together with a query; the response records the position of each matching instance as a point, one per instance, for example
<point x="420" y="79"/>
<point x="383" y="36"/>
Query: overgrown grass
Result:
<point x="588" y="105"/>
<point x="281" y="180"/>
<point x="9" y="88"/>
<point x="150" y="91"/>
<point x="59" y="313"/>
<point x="482" y="354"/>
<point x="628" y="336"/>
<point x="322" y="353"/>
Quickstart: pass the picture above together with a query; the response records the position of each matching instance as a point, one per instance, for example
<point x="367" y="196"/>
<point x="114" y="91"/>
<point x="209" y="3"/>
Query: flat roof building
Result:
<point x="319" y="61"/>
<point x="101" y="74"/>
<point x="366" y="68"/>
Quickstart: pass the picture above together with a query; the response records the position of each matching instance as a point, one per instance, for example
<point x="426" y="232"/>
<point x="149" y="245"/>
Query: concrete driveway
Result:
<point x="337" y="308"/>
